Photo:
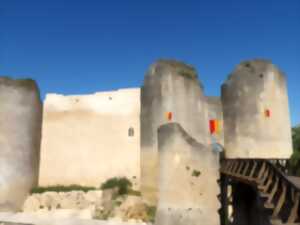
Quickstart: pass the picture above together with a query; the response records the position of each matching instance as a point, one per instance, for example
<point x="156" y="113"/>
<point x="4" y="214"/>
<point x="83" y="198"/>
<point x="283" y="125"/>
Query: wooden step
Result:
<point x="294" y="180"/>
<point x="264" y="195"/>
<point x="279" y="222"/>
<point x="276" y="221"/>
<point x="269" y="205"/>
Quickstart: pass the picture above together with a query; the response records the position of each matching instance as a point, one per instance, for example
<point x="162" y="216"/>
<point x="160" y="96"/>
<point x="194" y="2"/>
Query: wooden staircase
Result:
<point x="280" y="194"/>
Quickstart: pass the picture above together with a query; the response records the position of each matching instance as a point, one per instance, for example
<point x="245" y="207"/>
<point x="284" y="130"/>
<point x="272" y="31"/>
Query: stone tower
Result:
<point x="171" y="93"/>
<point x="256" y="112"/>
<point x="20" y="135"/>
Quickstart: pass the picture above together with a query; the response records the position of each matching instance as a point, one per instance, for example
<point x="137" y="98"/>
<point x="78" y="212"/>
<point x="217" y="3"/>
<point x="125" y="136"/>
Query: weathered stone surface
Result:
<point x="169" y="86"/>
<point x="256" y="112"/>
<point x="188" y="174"/>
<point x="105" y="204"/>
<point x="122" y="207"/>
<point x="132" y="208"/>
<point x="20" y="135"/>
<point x="51" y="201"/>
<point x="11" y="223"/>
<point x="47" y="219"/>
<point x="93" y="132"/>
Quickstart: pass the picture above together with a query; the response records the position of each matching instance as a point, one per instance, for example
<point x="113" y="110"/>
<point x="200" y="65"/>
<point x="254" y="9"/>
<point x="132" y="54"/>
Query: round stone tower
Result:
<point x="256" y="113"/>
<point x="171" y="93"/>
<point x="20" y="134"/>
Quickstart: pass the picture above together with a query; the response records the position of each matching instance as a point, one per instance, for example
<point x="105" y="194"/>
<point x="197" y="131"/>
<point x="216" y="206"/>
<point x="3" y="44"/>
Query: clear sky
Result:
<point x="77" y="47"/>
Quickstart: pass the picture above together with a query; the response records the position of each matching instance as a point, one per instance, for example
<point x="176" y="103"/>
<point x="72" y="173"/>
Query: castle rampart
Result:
<point x="90" y="138"/>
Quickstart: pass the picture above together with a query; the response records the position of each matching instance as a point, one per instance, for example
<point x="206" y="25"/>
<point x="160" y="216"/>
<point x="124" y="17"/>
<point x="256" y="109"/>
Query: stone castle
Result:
<point x="167" y="136"/>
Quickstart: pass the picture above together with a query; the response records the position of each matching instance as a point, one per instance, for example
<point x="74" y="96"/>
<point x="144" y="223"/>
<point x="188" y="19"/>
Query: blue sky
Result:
<point x="76" y="47"/>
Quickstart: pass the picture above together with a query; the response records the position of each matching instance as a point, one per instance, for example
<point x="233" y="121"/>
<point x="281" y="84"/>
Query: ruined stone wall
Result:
<point x="90" y="138"/>
<point x="20" y="133"/>
<point x="169" y="87"/>
<point x="256" y="112"/>
<point x="188" y="174"/>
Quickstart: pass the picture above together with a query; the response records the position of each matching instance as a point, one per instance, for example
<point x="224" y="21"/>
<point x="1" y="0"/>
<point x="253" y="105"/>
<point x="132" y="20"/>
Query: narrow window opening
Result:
<point x="131" y="132"/>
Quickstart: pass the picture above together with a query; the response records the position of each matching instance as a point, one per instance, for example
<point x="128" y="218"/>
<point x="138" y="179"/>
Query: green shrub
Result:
<point x="196" y="173"/>
<point x="188" y="73"/>
<point x="294" y="162"/>
<point x="151" y="211"/>
<point x="134" y="192"/>
<point x="62" y="188"/>
<point x="122" y="183"/>
<point x="181" y="68"/>
<point x="101" y="214"/>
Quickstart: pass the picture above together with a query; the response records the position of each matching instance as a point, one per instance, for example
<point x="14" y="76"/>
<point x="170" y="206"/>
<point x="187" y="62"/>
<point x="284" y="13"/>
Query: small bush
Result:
<point x="101" y="214"/>
<point x="61" y="188"/>
<point x="151" y="212"/>
<point x="196" y="173"/>
<point x="181" y="68"/>
<point x="294" y="162"/>
<point x="123" y="184"/>
<point x="134" y="192"/>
